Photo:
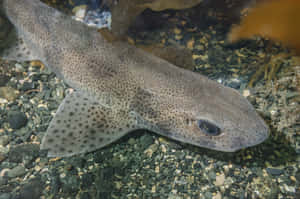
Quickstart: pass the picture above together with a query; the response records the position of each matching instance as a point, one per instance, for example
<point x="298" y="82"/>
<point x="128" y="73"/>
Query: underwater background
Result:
<point x="144" y="164"/>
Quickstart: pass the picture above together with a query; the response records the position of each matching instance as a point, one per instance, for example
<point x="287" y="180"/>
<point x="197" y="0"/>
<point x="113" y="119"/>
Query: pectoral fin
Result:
<point x="82" y="124"/>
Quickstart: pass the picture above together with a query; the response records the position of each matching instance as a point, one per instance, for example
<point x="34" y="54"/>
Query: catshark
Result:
<point x="119" y="89"/>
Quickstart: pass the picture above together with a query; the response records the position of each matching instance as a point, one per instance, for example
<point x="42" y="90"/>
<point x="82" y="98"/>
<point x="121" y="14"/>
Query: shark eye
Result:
<point x="209" y="128"/>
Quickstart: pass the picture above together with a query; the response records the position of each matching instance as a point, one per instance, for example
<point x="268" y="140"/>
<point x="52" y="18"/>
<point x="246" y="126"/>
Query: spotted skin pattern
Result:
<point x="119" y="88"/>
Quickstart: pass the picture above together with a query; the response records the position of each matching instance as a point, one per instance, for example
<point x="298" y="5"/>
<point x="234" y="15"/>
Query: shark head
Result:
<point x="209" y="115"/>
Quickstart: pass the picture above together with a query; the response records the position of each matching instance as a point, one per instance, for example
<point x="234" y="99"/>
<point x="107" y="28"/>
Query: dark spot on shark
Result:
<point x="55" y="131"/>
<point x="62" y="149"/>
<point x="50" y="140"/>
<point x="100" y="126"/>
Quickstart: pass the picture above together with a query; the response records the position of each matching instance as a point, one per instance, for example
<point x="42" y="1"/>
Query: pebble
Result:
<point x="20" y="152"/>
<point x="4" y="140"/>
<point x="220" y="179"/>
<point x="289" y="188"/>
<point x="32" y="189"/>
<point x="27" y="86"/>
<point x="8" y="93"/>
<point x="84" y="195"/>
<point x="19" y="67"/>
<point x="146" y="140"/>
<point x="5" y="196"/>
<point x="212" y="175"/>
<point x="16" y="171"/>
<point x="2" y="180"/>
<point x="152" y="149"/>
<point x="2" y="156"/>
<point x="17" y="119"/>
<point x="293" y="178"/>
<point x="3" y="80"/>
<point x="208" y="195"/>
<point x="131" y="141"/>
<point x="217" y="196"/>
<point x="274" y="171"/>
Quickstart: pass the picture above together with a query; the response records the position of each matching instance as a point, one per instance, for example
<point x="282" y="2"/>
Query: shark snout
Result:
<point x="250" y="137"/>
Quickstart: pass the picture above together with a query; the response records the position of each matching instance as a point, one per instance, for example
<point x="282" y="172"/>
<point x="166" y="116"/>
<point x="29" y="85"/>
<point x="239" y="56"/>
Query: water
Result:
<point x="145" y="165"/>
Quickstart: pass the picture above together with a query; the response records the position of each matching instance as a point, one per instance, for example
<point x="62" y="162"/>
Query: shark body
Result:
<point x="119" y="88"/>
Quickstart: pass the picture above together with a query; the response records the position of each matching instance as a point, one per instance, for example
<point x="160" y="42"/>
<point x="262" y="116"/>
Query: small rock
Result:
<point x="151" y="149"/>
<point x="212" y="175"/>
<point x="80" y="11"/>
<point x="208" y="195"/>
<point x="8" y="93"/>
<point x="3" y="80"/>
<point x="32" y="189"/>
<point x="19" y="67"/>
<point x="146" y="140"/>
<point x="28" y="86"/>
<point x="220" y="179"/>
<point x="2" y="157"/>
<point x="246" y="93"/>
<point x="17" y="119"/>
<point x="217" y="196"/>
<point x="4" y="140"/>
<point x="3" y="181"/>
<point x="16" y="172"/>
<point x="5" y="196"/>
<point x="85" y="195"/>
<point x="289" y="188"/>
<point x="274" y="171"/>
<point x="293" y="178"/>
<point x="131" y="141"/>
<point x="25" y="151"/>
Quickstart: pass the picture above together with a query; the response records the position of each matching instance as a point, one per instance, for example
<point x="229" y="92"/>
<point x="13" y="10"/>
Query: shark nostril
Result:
<point x="209" y="128"/>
